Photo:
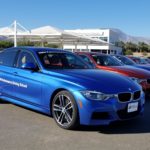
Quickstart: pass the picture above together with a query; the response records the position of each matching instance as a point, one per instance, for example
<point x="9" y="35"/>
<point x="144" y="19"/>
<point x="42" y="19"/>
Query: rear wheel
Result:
<point x="64" y="110"/>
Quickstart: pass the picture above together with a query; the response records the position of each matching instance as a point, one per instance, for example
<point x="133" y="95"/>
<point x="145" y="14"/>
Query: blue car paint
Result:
<point x="35" y="89"/>
<point x="145" y="67"/>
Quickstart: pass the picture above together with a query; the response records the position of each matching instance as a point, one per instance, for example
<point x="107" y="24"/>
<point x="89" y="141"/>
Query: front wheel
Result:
<point x="64" y="110"/>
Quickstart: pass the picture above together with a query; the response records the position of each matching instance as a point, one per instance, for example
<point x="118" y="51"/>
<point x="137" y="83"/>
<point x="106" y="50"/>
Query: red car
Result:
<point x="107" y="62"/>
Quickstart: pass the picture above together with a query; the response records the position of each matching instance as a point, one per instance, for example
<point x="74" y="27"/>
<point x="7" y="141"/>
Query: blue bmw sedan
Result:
<point x="60" y="84"/>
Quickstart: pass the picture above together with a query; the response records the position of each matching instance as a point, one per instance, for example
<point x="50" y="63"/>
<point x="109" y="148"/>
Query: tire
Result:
<point x="65" y="111"/>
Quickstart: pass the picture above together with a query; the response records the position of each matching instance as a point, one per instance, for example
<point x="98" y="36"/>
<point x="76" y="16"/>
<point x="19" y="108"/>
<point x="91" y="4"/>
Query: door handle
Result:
<point x="15" y="73"/>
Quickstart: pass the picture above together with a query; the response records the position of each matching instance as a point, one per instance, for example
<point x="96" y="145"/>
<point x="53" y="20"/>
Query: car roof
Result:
<point x="118" y="55"/>
<point x="133" y="57"/>
<point x="38" y="49"/>
<point x="91" y="53"/>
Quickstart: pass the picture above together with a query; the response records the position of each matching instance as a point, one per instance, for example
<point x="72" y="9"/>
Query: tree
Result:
<point x="25" y="43"/>
<point x="131" y="46"/>
<point x="6" y="44"/>
<point x="46" y="44"/>
<point x="143" y="47"/>
<point x="128" y="52"/>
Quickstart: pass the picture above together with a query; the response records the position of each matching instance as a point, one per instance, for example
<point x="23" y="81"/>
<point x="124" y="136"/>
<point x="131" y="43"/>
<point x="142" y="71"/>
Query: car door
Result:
<point x="28" y="82"/>
<point x="7" y="60"/>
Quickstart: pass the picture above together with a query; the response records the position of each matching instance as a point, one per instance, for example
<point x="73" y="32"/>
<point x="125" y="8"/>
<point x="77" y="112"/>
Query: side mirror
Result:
<point x="29" y="66"/>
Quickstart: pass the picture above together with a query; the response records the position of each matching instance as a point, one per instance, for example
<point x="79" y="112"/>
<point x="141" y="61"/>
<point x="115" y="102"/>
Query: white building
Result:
<point x="17" y="32"/>
<point x="107" y="35"/>
<point x="92" y="40"/>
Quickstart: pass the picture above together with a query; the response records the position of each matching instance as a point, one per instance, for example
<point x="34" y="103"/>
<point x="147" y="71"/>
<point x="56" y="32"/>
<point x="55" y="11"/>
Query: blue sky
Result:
<point x="131" y="16"/>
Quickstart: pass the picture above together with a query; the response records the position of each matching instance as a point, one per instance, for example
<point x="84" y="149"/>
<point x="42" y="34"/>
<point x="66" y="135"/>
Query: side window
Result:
<point x="7" y="58"/>
<point x="25" y="57"/>
<point x="100" y="60"/>
<point x="75" y="61"/>
<point x="87" y="60"/>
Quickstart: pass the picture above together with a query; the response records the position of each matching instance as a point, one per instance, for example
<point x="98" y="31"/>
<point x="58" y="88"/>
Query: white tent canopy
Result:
<point x="10" y="30"/>
<point x="46" y="30"/>
<point x="47" y="33"/>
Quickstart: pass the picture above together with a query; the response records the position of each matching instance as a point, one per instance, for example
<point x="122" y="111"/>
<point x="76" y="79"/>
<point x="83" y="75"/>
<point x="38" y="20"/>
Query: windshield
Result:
<point x="125" y="60"/>
<point x="143" y="61"/>
<point x="55" y="60"/>
<point x="106" y="60"/>
<point x="147" y="60"/>
<point x="139" y="60"/>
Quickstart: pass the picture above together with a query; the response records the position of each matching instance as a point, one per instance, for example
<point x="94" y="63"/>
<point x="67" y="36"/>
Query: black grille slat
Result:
<point x="124" y="97"/>
<point x="100" y="115"/>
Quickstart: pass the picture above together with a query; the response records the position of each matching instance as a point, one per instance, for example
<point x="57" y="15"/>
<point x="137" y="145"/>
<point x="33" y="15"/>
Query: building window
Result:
<point x="96" y="50"/>
<point x="84" y="50"/>
<point x="76" y="50"/>
<point x="104" y="51"/>
<point x="104" y="39"/>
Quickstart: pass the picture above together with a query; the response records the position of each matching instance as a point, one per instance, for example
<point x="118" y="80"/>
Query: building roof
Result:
<point x="49" y="34"/>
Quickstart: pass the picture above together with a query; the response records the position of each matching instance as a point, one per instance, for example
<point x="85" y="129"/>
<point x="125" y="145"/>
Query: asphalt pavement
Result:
<point x="23" y="129"/>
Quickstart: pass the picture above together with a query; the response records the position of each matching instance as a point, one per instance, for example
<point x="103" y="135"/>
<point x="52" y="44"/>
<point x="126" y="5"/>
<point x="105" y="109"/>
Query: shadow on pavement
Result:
<point x="3" y="102"/>
<point x="140" y="124"/>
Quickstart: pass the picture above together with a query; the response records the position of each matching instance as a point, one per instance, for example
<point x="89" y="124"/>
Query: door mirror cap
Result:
<point x="29" y="66"/>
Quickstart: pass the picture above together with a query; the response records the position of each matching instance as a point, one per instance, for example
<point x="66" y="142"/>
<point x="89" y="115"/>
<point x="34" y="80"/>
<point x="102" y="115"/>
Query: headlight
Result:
<point x="93" y="95"/>
<point x="138" y="80"/>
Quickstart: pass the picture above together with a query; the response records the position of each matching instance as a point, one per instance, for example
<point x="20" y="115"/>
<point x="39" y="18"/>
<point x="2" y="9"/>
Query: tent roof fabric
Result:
<point x="48" y="33"/>
<point x="47" y="30"/>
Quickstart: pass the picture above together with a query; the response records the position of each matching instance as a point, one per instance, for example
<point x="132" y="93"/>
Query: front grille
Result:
<point x="148" y="81"/>
<point x="136" y="95"/>
<point x="124" y="97"/>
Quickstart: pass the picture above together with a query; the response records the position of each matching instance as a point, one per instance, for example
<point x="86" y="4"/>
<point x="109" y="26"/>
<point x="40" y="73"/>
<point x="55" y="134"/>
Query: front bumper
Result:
<point x="104" y="112"/>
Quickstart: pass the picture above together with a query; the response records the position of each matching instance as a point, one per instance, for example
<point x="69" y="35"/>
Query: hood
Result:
<point x="97" y="80"/>
<point x="132" y="71"/>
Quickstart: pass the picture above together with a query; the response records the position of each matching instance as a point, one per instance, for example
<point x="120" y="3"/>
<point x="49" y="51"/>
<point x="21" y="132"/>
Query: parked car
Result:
<point x="60" y="84"/>
<point x="127" y="61"/>
<point x="147" y="60"/>
<point x="139" y="60"/>
<point x="107" y="62"/>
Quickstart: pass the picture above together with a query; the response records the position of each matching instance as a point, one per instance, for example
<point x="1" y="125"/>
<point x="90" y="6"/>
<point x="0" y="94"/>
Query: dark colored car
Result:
<point x="60" y="84"/>
<point x="147" y="60"/>
<point x="107" y="62"/>
<point x="127" y="61"/>
<point x="139" y="60"/>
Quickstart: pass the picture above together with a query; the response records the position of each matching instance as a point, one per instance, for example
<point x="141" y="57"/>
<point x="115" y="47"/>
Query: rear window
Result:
<point x="7" y="57"/>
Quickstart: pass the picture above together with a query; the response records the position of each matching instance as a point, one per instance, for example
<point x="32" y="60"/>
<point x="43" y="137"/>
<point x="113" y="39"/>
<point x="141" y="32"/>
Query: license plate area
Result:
<point x="132" y="107"/>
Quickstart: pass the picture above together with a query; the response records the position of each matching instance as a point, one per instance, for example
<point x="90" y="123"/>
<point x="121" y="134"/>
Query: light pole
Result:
<point x="15" y="33"/>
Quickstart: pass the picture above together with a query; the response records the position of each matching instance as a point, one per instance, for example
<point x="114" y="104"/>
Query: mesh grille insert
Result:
<point x="124" y="97"/>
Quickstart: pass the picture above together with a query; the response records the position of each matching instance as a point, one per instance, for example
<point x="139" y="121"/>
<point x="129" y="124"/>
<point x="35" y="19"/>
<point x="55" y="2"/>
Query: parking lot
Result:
<point x="23" y="129"/>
